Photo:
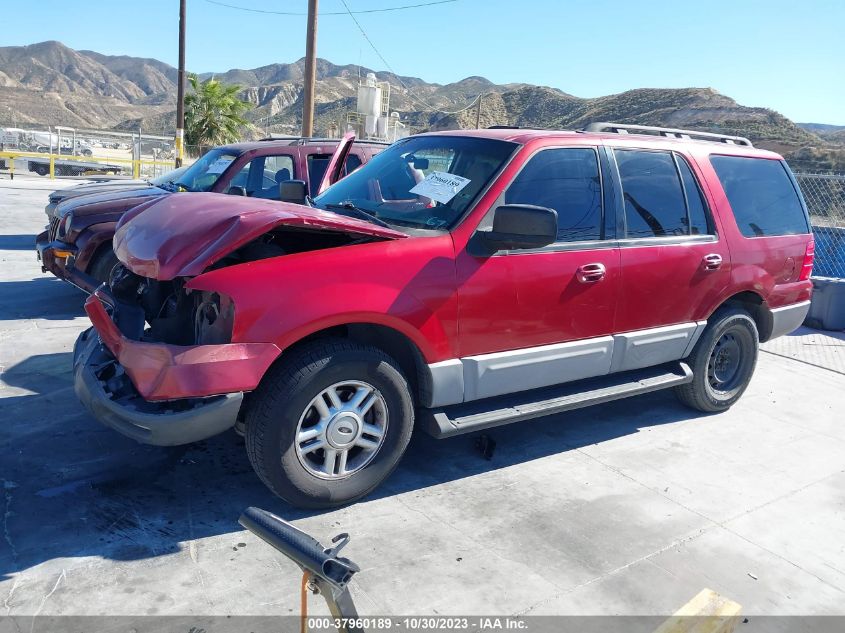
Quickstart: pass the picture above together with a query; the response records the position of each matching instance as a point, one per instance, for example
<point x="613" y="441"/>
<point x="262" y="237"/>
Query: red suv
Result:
<point x="458" y="281"/>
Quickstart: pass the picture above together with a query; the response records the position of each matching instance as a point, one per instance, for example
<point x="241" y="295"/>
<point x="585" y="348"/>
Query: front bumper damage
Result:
<point x="158" y="393"/>
<point x="134" y="417"/>
<point x="59" y="258"/>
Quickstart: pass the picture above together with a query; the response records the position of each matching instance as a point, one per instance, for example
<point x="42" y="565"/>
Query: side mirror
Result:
<point x="234" y="190"/>
<point x="292" y="191"/>
<point x="521" y="226"/>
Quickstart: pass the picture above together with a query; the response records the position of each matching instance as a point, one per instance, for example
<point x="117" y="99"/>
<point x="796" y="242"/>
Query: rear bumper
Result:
<point x="62" y="265"/>
<point x="160" y="371"/>
<point x="173" y="424"/>
<point x="788" y="318"/>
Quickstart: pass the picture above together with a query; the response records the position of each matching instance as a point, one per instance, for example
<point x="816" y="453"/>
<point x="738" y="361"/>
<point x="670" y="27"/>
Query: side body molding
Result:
<point x="489" y="375"/>
<point x="654" y="346"/>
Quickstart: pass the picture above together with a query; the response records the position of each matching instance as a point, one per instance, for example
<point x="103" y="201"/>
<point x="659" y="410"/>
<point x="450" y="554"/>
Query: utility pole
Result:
<point x="180" y="89"/>
<point x="478" y="113"/>
<point x="310" y="71"/>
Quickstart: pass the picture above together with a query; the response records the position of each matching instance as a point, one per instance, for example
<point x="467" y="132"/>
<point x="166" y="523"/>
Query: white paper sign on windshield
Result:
<point x="440" y="186"/>
<point x="219" y="166"/>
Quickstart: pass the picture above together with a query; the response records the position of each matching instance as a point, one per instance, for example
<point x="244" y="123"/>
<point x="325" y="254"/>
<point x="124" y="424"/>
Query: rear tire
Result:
<point x="293" y="411"/>
<point x="722" y="362"/>
<point x="100" y="269"/>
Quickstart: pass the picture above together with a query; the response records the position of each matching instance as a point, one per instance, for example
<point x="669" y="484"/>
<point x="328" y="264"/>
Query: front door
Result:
<point x="529" y="319"/>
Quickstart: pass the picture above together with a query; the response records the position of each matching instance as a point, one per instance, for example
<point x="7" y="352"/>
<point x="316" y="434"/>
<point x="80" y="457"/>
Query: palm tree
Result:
<point x="212" y="114"/>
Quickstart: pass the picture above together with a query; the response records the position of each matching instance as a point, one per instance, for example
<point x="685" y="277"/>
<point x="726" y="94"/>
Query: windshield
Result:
<point x="170" y="177"/>
<point x="202" y="175"/>
<point x="425" y="182"/>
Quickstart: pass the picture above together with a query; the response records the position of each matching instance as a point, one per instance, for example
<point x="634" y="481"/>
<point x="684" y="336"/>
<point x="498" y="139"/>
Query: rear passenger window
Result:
<point x="698" y="217"/>
<point x="654" y="200"/>
<point x="566" y="180"/>
<point x="762" y="196"/>
<point x="317" y="165"/>
<point x="353" y="162"/>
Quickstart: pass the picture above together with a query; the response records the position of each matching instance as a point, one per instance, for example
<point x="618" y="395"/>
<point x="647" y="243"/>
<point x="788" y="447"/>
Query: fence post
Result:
<point x="52" y="167"/>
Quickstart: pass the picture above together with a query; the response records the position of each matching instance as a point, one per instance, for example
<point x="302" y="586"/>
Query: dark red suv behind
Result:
<point x="77" y="245"/>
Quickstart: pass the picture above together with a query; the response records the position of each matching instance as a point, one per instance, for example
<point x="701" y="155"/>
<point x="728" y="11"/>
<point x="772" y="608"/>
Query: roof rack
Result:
<point x="298" y="140"/>
<point x="503" y="127"/>
<point x="624" y="128"/>
<point x="303" y="140"/>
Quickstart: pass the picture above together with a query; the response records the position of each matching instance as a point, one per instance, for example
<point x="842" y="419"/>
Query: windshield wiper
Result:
<point x="178" y="184"/>
<point x="353" y="211"/>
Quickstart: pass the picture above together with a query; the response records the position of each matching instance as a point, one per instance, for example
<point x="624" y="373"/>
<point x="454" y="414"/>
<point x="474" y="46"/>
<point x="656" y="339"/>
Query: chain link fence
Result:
<point x="825" y="196"/>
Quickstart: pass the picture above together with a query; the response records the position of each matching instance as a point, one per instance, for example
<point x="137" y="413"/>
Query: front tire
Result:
<point x="100" y="269"/>
<point x="329" y="423"/>
<point x="722" y="362"/>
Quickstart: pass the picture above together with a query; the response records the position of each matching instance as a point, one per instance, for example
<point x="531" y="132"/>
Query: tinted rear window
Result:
<point x="654" y="200"/>
<point x="319" y="163"/>
<point x="698" y="217"/>
<point x="762" y="196"/>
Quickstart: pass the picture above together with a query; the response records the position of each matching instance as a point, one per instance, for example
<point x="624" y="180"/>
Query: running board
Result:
<point x="484" y="414"/>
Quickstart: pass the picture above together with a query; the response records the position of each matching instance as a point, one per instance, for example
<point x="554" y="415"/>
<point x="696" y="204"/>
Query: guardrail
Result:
<point x="54" y="165"/>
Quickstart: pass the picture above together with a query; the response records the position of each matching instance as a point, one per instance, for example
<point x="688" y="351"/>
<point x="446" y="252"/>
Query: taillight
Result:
<point x="809" y="256"/>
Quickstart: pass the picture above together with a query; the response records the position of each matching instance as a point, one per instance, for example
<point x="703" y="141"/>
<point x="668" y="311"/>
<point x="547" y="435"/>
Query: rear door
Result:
<point x="771" y="227"/>
<point x="675" y="263"/>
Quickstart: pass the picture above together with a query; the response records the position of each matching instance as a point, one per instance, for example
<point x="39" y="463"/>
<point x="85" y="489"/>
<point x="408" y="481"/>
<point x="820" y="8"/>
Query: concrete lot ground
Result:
<point x="627" y="508"/>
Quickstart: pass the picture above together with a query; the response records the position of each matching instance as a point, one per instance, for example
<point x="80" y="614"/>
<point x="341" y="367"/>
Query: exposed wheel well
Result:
<point x="391" y="342"/>
<point x="98" y="252"/>
<point x="754" y="304"/>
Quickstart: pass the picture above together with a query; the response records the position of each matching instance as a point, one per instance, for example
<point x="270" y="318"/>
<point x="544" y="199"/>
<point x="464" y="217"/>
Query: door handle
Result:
<point x="712" y="261"/>
<point x="590" y="273"/>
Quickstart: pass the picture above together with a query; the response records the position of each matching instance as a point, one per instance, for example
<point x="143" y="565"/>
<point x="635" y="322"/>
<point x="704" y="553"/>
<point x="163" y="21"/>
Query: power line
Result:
<point x="426" y="107"/>
<point x="382" y="10"/>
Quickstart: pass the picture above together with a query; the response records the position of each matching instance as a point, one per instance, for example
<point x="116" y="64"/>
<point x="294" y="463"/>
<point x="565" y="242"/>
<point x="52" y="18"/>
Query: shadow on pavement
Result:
<point x="40" y="298"/>
<point x="839" y="335"/>
<point x="74" y="488"/>
<point x="17" y="243"/>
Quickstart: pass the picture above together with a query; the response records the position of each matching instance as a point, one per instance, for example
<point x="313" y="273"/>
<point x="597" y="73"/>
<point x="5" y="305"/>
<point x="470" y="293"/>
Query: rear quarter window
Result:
<point x="761" y="194"/>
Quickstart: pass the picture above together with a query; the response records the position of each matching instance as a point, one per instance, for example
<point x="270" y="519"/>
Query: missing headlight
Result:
<point x="214" y="318"/>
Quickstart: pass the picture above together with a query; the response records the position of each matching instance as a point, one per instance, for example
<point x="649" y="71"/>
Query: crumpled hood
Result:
<point x="106" y="201"/>
<point x="182" y="234"/>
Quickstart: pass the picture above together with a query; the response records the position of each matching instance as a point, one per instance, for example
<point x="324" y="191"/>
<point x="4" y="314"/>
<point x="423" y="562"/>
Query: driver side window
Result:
<point x="568" y="181"/>
<point x="262" y="176"/>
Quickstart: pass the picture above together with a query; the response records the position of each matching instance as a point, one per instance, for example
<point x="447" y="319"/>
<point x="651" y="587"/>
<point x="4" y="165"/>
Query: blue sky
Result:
<point x="786" y="55"/>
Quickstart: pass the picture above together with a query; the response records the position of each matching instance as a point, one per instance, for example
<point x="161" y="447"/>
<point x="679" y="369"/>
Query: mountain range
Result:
<point x="51" y="84"/>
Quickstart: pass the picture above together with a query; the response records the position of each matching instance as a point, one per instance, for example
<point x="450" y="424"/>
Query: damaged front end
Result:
<point x="105" y="390"/>
<point x="161" y="363"/>
<point x="158" y="364"/>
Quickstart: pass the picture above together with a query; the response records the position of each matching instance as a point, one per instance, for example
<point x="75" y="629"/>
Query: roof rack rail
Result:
<point x="304" y="140"/>
<point x="624" y="128"/>
<point x="503" y="127"/>
<point x="298" y="140"/>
